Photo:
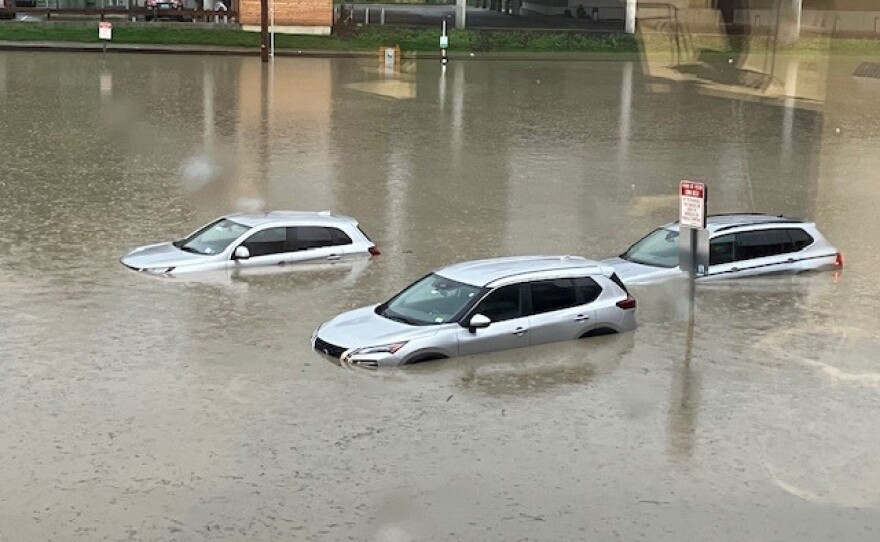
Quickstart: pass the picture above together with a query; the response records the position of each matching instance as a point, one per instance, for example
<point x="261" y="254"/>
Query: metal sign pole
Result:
<point x="692" y="272"/>
<point x="264" y="30"/>
<point x="272" y="32"/>
<point x="444" y="43"/>
<point x="693" y="258"/>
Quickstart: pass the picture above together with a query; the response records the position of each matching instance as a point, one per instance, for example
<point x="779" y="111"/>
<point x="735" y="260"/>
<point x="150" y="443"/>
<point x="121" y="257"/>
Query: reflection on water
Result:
<point x="198" y="404"/>
<point x="533" y="371"/>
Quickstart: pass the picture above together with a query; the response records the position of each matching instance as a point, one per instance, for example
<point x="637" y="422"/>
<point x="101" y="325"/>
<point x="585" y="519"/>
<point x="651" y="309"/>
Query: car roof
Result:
<point x="289" y="217"/>
<point x="734" y="220"/>
<point x="484" y="272"/>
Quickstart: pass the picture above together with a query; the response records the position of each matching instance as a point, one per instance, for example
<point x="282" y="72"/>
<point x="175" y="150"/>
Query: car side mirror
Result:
<point x="241" y="253"/>
<point x="478" y="321"/>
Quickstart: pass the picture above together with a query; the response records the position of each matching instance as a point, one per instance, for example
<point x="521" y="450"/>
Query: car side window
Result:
<point x="799" y="239"/>
<point x="306" y="237"/>
<point x="339" y="237"/>
<point x="722" y="250"/>
<point x="553" y="295"/>
<point x="270" y="241"/>
<point x="761" y="243"/>
<point x="505" y="303"/>
<point x="588" y="289"/>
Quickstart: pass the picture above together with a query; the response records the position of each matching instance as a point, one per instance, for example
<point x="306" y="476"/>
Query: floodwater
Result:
<point x="134" y="408"/>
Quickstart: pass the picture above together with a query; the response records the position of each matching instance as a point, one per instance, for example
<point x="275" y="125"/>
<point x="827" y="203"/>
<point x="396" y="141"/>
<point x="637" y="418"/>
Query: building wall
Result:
<point x="292" y="16"/>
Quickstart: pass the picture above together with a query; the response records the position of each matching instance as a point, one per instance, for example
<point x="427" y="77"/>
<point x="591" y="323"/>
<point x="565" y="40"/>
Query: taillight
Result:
<point x="838" y="260"/>
<point x="374" y="251"/>
<point x="628" y="303"/>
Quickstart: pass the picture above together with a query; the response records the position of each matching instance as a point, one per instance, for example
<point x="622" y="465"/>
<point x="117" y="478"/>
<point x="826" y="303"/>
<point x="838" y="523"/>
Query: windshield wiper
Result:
<point x="188" y="249"/>
<point x="398" y="318"/>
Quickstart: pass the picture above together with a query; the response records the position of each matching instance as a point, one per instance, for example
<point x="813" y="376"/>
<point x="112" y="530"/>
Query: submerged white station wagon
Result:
<point x="252" y="240"/>
<point x="740" y="245"/>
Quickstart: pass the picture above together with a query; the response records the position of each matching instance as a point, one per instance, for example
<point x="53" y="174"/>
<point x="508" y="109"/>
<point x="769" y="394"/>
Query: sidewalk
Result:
<point x="74" y="47"/>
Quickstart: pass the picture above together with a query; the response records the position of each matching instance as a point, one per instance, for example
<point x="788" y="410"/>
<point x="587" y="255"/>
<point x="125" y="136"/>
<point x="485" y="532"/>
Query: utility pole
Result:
<point x="264" y="30"/>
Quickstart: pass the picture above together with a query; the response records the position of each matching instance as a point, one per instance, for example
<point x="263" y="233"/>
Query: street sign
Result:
<point x="692" y="204"/>
<point x="105" y="30"/>
<point x="444" y="42"/>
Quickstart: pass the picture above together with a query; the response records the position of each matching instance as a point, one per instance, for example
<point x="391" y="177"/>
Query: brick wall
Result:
<point x="290" y="12"/>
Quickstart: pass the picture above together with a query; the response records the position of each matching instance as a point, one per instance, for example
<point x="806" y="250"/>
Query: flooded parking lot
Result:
<point x="147" y="409"/>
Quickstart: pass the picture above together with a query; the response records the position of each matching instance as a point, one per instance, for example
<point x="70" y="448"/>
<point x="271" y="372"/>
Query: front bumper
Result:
<point x="350" y="355"/>
<point x="369" y="360"/>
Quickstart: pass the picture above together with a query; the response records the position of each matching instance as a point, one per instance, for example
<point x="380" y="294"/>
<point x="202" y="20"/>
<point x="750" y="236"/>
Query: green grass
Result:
<point x="362" y="39"/>
<point x="370" y="38"/>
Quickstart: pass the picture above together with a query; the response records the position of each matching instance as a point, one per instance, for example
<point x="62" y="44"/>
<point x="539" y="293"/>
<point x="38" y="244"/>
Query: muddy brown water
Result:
<point x="142" y="409"/>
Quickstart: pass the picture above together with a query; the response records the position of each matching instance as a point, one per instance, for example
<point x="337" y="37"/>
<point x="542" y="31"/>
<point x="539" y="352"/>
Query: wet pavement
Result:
<point x="483" y="18"/>
<point x="143" y="409"/>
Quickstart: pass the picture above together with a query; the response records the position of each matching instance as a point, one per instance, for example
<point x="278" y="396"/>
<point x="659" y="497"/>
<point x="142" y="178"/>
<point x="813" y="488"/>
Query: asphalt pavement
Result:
<point x="477" y="18"/>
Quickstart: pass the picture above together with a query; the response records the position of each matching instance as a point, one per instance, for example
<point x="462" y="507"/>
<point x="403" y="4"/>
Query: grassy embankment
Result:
<point x="363" y="39"/>
<point x="409" y="40"/>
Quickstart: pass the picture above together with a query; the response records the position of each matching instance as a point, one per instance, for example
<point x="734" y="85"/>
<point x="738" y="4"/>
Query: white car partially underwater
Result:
<point x="740" y="245"/>
<point x="240" y="241"/>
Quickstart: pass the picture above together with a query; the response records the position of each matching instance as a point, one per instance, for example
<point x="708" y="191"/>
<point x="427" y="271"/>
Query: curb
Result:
<point x="76" y="47"/>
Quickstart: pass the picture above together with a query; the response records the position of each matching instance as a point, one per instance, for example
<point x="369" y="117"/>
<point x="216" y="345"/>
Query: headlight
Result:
<point x="159" y="270"/>
<point x="382" y="349"/>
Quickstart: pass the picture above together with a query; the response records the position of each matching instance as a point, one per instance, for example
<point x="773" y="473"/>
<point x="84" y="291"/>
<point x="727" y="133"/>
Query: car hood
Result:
<point x="160" y="255"/>
<point x="363" y="327"/>
<point x="636" y="273"/>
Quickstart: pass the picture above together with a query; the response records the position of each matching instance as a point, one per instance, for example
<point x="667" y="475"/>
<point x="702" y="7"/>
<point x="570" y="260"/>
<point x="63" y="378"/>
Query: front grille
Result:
<point x="328" y="348"/>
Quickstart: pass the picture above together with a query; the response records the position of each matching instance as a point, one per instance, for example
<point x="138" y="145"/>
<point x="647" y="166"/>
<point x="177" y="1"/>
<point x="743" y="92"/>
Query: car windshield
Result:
<point x="659" y="249"/>
<point x="430" y="301"/>
<point x="213" y="238"/>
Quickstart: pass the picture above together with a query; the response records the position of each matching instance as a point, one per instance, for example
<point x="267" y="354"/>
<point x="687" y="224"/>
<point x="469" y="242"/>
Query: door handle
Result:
<point x="734" y="269"/>
<point x="333" y="257"/>
<point x="581" y="318"/>
<point x="519" y="332"/>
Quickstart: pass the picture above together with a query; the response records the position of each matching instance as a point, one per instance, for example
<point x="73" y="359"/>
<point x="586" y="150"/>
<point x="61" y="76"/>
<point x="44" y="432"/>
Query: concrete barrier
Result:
<point x="818" y="21"/>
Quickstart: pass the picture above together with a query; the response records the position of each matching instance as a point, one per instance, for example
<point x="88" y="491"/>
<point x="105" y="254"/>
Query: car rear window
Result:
<point x="553" y="295"/>
<point x="367" y="237"/>
<point x="339" y="237"/>
<point x="306" y="237"/>
<point x="587" y="289"/>
<point x="761" y="243"/>
<point x="616" y="280"/>
<point x="799" y="239"/>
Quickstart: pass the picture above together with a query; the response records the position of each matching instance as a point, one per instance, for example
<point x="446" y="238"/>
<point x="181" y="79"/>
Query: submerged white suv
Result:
<point x="253" y="240"/>
<point x="482" y="306"/>
<point x="740" y="245"/>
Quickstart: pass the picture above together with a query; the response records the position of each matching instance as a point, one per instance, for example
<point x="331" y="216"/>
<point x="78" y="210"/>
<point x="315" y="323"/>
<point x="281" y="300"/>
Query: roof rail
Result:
<point x="741" y="214"/>
<point x="778" y="220"/>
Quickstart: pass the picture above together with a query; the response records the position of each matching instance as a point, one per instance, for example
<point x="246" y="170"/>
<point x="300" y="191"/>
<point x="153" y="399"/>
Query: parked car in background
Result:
<point x="252" y="240"/>
<point x="159" y="8"/>
<point x="483" y="306"/>
<point x="740" y="245"/>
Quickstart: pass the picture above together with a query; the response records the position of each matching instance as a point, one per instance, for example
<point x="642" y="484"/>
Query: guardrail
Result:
<point x="135" y="11"/>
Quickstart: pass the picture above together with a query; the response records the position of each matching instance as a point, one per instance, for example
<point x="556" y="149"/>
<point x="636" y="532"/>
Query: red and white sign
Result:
<point x="105" y="30"/>
<point x="692" y="204"/>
